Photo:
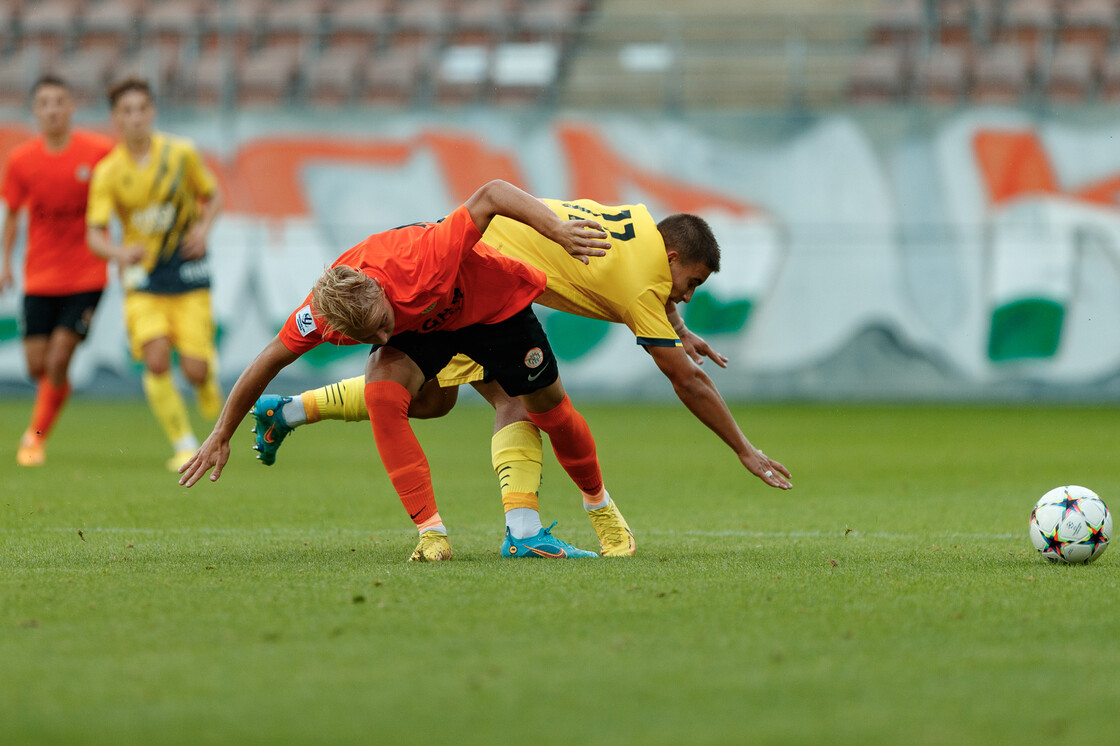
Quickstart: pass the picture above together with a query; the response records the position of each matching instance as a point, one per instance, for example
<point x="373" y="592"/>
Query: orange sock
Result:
<point x="400" y="451"/>
<point x="572" y="443"/>
<point x="48" y="403"/>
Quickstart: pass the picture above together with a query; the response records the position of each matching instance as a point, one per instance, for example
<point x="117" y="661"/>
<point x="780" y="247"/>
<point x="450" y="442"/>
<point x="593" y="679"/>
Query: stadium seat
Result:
<point x="1001" y="75"/>
<point x="398" y="74"/>
<point x="461" y="73"/>
<point x="1088" y="22"/>
<point x="233" y="27"/>
<point x="482" y="21"/>
<point x="87" y="72"/>
<point x="18" y="71"/>
<point x="548" y="19"/>
<point x="1110" y="78"/>
<point x="206" y="81"/>
<point x="878" y="75"/>
<point x="333" y="77"/>
<point x="941" y="75"/>
<point x="954" y="22"/>
<point x="422" y="18"/>
<point x="1071" y="76"/>
<point x="113" y="23"/>
<point x="157" y="63"/>
<point x="50" y="24"/>
<point x="267" y="76"/>
<point x="294" y="20"/>
<point x="362" y="21"/>
<point x="1028" y="23"/>
<point x="524" y="72"/>
<point x="900" y="23"/>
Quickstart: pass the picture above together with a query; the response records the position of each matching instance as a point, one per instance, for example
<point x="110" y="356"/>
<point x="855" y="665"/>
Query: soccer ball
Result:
<point x="1070" y="524"/>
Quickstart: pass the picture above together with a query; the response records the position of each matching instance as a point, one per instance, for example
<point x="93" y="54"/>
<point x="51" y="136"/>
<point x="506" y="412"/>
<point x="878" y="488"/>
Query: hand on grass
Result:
<point x="767" y="469"/>
<point x="214" y="453"/>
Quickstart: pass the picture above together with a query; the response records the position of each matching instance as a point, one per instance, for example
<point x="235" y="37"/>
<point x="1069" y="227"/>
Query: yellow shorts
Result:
<point x="460" y="370"/>
<point x="184" y="318"/>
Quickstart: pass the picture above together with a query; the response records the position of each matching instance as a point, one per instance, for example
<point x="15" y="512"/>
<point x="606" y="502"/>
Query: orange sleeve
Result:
<point x="13" y="189"/>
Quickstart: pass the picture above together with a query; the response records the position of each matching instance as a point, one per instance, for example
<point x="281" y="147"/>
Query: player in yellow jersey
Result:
<point x="166" y="200"/>
<point x="650" y="269"/>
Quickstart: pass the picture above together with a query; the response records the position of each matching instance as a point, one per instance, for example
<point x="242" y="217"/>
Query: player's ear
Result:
<point x="673" y="255"/>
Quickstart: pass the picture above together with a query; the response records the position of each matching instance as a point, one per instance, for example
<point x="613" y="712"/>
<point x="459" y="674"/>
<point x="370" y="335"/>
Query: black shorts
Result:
<point x="42" y="314"/>
<point x="514" y="352"/>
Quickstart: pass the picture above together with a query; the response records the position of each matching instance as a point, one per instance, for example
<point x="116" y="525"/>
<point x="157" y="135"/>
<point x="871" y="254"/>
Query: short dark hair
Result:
<point x="692" y="238"/>
<point x="127" y="86"/>
<point x="50" y="79"/>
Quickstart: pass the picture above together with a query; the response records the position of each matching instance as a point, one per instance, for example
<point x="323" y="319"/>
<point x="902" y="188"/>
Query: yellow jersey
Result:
<point x="630" y="285"/>
<point x="157" y="202"/>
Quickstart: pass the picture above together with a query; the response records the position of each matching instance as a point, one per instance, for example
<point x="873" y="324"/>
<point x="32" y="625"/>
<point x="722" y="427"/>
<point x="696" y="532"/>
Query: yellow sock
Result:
<point x="209" y="395"/>
<point x="345" y="400"/>
<point x="168" y="407"/>
<point x="516" y="454"/>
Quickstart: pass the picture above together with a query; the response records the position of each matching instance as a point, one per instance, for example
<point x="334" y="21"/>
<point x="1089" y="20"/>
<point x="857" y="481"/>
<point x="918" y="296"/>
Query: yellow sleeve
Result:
<point x="100" y="206"/>
<point x="199" y="176"/>
<point x="647" y="319"/>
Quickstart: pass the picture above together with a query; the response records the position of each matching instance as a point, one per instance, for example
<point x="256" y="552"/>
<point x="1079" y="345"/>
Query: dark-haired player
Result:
<point x="63" y="281"/>
<point x="166" y="200"/>
<point x="651" y="268"/>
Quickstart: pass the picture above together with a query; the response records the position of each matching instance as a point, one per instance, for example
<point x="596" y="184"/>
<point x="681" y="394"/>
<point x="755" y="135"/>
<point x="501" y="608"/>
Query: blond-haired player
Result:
<point x="651" y="268"/>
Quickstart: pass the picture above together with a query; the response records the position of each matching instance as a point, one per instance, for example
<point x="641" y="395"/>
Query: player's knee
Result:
<point x="433" y="401"/>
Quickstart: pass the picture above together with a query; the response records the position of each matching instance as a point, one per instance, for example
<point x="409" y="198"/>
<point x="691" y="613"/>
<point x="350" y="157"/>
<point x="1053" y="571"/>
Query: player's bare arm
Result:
<point x="7" y="245"/>
<point x="194" y="245"/>
<point x="699" y="394"/>
<point x="214" y="452"/>
<point x="695" y="345"/>
<point x="99" y="242"/>
<point x="580" y="238"/>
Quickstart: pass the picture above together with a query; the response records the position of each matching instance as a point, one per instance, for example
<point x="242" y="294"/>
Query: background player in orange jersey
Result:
<point x="63" y="280"/>
<point x="166" y="200"/>
<point x="420" y="294"/>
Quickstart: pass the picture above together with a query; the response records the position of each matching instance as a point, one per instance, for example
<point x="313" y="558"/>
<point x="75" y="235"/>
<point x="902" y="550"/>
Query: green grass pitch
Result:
<point x="891" y="597"/>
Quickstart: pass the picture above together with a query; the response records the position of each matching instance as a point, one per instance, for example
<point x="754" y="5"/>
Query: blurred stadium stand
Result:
<point x="611" y="54"/>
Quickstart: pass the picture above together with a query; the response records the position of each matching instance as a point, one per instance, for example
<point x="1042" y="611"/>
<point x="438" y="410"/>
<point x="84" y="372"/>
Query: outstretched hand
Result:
<point x="583" y="238"/>
<point x="767" y="469"/>
<point x="214" y="453"/>
<point x="698" y="349"/>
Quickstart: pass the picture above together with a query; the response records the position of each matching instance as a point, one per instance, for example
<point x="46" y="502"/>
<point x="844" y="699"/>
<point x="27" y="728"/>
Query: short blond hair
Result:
<point x="349" y="301"/>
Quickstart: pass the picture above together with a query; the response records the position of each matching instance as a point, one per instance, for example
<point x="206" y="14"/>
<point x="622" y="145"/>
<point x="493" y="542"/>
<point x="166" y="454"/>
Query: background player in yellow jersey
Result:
<point x="651" y="267"/>
<point x="166" y="200"/>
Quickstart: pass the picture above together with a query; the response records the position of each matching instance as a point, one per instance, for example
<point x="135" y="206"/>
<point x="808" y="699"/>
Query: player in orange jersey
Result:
<point x="420" y="294"/>
<point x="63" y="281"/>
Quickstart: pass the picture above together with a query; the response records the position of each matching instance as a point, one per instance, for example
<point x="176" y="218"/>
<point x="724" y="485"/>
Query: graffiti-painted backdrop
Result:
<point x="979" y="259"/>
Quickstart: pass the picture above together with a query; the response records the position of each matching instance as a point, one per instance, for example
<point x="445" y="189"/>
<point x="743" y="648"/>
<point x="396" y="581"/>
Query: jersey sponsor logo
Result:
<point x="305" y="321"/>
<point x="534" y="358"/>
<point x="445" y="313"/>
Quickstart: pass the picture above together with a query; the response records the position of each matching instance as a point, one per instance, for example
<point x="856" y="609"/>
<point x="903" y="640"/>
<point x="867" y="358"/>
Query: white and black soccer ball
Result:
<point x="1070" y="524"/>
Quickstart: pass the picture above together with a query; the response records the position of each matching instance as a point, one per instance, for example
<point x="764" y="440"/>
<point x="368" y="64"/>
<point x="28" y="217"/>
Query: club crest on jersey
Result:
<point x="429" y="308"/>
<point x="305" y="321"/>
<point x="82" y="173"/>
<point x="534" y="358"/>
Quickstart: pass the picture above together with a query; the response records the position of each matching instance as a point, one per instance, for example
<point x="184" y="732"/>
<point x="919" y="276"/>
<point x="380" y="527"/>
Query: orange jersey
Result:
<point x="55" y="188"/>
<point x="437" y="276"/>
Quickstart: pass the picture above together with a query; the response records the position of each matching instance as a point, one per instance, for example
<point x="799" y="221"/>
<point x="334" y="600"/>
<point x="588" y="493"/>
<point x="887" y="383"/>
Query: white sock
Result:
<point x="294" y="412"/>
<point x="523" y="522"/>
<point x="601" y="504"/>
<point x="436" y="529"/>
<point x="186" y="443"/>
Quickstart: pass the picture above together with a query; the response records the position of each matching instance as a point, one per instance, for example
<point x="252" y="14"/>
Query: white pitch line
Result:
<point x="316" y="532"/>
